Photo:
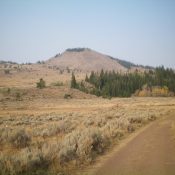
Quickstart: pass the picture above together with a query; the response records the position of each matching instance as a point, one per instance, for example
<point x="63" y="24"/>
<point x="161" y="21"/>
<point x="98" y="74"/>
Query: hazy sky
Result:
<point x="141" y="31"/>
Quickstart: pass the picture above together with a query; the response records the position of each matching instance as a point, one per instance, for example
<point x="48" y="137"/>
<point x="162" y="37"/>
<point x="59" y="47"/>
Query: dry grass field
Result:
<point x="25" y="76"/>
<point x="43" y="132"/>
<point x="47" y="132"/>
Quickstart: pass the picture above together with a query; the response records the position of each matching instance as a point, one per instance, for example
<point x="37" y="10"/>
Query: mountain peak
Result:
<point x="85" y="59"/>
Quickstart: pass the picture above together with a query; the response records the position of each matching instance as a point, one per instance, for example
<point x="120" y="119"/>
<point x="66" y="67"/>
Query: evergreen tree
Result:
<point x="113" y="84"/>
<point x="73" y="81"/>
<point x="124" y="85"/>
<point x="41" y="84"/>
<point x="87" y="79"/>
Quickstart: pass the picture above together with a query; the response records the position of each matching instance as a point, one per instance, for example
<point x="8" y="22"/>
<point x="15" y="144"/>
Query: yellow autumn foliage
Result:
<point x="154" y="91"/>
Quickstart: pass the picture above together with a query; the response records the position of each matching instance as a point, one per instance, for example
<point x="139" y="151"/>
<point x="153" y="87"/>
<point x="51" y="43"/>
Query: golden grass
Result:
<point x="69" y="133"/>
<point x="27" y="76"/>
<point x="40" y="130"/>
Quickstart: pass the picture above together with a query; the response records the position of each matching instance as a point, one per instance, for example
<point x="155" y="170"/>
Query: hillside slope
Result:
<point x="85" y="60"/>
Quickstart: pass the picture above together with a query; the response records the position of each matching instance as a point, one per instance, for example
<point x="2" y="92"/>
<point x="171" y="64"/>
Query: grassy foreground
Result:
<point x="59" y="136"/>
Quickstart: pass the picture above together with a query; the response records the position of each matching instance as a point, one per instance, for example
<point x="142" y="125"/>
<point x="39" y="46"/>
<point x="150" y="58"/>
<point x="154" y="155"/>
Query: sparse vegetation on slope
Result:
<point x="76" y="49"/>
<point x="58" y="83"/>
<point x="129" y="65"/>
<point x="124" y="63"/>
<point x="85" y="60"/>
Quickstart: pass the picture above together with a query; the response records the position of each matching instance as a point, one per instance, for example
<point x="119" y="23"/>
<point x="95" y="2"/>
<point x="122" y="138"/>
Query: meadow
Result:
<point x="60" y="130"/>
<point x="45" y="134"/>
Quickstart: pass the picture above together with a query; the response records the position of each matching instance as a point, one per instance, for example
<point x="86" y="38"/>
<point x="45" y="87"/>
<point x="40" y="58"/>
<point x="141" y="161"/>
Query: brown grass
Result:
<point x="61" y="135"/>
<point x="42" y="132"/>
<point x="27" y="75"/>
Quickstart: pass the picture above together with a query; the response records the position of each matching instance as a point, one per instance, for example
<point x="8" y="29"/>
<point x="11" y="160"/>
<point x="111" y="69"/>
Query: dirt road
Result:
<point x="151" y="152"/>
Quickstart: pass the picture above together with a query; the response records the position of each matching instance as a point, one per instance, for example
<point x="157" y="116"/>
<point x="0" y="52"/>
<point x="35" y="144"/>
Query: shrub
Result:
<point x="41" y="84"/>
<point x="18" y="96"/>
<point x="152" y="117"/>
<point x="53" y="129"/>
<point x="50" y="150"/>
<point x="8" y="90"/>
<point x="7" y="71"/>
<point x="138" y="118"/>
<point x="130" y="128"/>
<point x="61" y="71"/>
<point x="4" y="134"/>
<point x="84" y="145"/>
<point x="57" y="83"/>
<point x="88" y="122"/>
<point x="100" y="121"/>
<point x="19" y="138"/>
<point x="68" y="70"/>
<point x="40" y="62"/>
<point x="67" y="153"/>
<point x="113" y="130"/>
<point x="5" y="91"/>
<point x="67" y="96"/>
<point x="28" y="161"/>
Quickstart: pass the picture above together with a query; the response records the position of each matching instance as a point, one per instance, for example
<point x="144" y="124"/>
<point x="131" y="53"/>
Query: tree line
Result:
<point x="112" y="84"/>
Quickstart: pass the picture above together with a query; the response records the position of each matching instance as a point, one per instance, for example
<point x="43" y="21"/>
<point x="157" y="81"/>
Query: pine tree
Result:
<point x="73" y="81"/>
<point x="113" y="84"/>
<point x="87" y="79"/>
<point x="92" y="77"/>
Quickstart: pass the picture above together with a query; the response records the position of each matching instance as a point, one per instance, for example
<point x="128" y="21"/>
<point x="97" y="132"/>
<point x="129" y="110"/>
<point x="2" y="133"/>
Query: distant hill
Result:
<point x="86" y="60"/>
<point x="7" y="62"/>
